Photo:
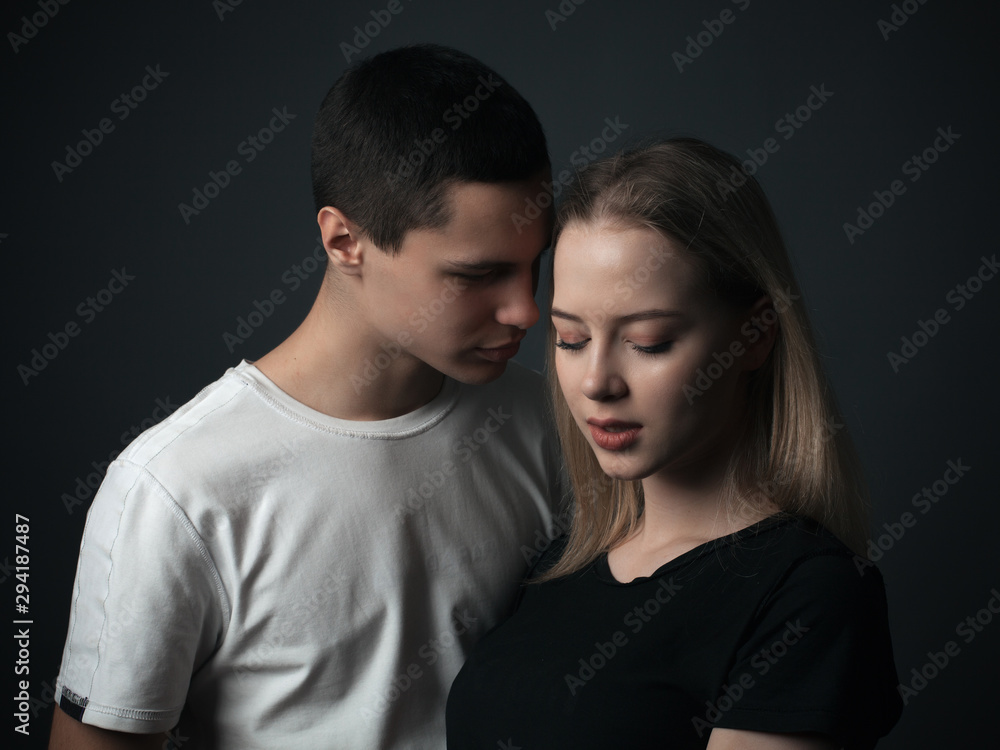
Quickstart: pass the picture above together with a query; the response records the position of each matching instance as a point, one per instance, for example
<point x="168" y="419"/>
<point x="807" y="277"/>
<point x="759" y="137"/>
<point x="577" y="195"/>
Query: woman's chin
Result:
<point x="618" y="469"/>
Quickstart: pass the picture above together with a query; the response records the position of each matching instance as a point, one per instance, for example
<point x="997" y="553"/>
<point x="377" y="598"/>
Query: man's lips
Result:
<point x="501" y="353"/>
<point x="613" y="434"/>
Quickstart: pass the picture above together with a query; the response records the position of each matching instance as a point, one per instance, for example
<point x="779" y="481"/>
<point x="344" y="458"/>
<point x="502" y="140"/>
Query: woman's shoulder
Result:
<point x="817" y="640"/>
<point x="806" y="558"/>
<point x="794" y="538"/>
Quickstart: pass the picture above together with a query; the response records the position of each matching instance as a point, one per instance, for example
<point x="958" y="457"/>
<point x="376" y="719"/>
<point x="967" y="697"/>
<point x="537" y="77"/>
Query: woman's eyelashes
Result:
<point x="574" y="346"/>
<point x="654" y="348"/>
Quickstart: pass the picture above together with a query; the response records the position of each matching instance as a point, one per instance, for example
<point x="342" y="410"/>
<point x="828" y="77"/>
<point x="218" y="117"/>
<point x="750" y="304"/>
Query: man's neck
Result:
<point x="328" y="366"/>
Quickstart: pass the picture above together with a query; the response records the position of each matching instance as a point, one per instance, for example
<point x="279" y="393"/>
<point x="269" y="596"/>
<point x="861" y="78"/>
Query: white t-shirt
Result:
<point x="272" y="577"/>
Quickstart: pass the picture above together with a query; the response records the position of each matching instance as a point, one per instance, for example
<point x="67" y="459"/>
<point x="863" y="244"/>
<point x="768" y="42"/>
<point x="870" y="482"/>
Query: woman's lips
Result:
<point x="612" y="435"/>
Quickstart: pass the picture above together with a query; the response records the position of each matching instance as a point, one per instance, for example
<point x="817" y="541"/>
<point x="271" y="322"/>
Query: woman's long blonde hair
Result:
<point x="792" y="450"/>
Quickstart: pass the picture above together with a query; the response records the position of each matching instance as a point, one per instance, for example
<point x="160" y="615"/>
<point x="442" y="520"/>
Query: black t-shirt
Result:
<point x="777" y="628"/>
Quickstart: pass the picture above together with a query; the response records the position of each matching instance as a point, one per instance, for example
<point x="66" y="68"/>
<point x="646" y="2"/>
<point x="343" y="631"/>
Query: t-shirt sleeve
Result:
<point x="148" y="608"/>
<point x="818" y="658"/>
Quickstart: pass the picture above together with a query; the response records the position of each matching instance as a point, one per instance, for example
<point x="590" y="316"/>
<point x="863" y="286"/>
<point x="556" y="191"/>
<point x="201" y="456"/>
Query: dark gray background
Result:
<point x="161" y="338"/>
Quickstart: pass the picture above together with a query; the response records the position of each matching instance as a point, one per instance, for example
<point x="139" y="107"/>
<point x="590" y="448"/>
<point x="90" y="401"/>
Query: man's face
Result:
<point x="460" y="298"/>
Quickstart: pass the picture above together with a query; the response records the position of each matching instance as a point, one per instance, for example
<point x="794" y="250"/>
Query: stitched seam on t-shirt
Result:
<point x="148" y="435"/>
<point x="141" y="714"/>
<point x="188" y="427"/>
<point x="751" y="709"/>
<point x="104" y="603"/>
<point x="188" y="526"/>
<point x="675" y="566"/>
<point x="327" y="429"/>
<point x="203" y="552"/>
<point x="75" y="606"/>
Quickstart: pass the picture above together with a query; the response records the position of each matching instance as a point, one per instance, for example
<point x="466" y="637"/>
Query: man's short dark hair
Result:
<point x="397" y="129"/>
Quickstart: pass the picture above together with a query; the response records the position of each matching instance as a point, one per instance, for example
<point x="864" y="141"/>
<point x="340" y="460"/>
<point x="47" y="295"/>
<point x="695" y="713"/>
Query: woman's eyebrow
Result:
<point x="555" y="312"/>
<point x="650" y="315"/>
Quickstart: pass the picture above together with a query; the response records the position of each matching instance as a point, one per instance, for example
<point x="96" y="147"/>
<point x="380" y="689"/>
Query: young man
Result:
<point x="302" y="555"/>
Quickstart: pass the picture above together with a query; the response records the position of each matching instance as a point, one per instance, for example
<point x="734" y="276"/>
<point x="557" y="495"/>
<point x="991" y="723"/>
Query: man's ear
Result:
<point x="342" y="240"/>
<point x="761" y="324"/>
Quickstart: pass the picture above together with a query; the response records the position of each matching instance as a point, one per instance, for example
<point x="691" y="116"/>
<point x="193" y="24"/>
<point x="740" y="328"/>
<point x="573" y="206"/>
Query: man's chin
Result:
<point x="476" y="373"/>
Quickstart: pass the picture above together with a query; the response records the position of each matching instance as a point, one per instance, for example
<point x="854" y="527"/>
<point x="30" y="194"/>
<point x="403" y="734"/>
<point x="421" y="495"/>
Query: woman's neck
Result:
<point x="682" y="510"/>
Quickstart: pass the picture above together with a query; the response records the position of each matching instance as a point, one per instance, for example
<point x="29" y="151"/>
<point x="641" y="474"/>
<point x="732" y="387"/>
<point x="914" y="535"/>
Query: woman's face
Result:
<point x="645" y="355"/>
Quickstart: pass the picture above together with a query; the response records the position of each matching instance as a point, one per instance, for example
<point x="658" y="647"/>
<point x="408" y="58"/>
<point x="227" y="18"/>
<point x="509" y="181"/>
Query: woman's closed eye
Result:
<point x="570" y="346"/>
<point x="653" y="348"/>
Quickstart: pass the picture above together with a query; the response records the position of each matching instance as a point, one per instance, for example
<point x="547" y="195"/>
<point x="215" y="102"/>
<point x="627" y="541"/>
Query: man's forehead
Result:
<point x="480" y="227"/>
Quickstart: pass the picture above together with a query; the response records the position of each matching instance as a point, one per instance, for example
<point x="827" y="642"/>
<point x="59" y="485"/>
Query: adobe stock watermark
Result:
<point x="418" y="321"/>
<point x="249" y="149"/>
<point x="123" y="106"/>
<point x="626" y="288"/>
<point x="761" y="663"/>
<point x="290" y="624"/>
<point x="581" y="157"/>
<point x="453" y="116"/>
<point x="958" y="297"/>
<point x="635" y="620"/>
<point x="175" y="740"/>
<point x="751" y="331"/>
<point x="293" y="278"/>
<point x="464" y="449"/>
<point x="428" y="654"/>
<point x="561" y="523"/>
<point x="450" y="557"/>
<point x="6" y="569"/>
<point x="363" y="36"/>
<point x="599" y="488"/>
<point x="87" y="310"/>
<point x="86" y="484"/>
<point x="562" y="12"/>
<point x="222" y="7"/>
<point x="923" y="501"/>
<point x="116" y="627"/>
<point x="937" y="661"/>
<point x="288" y="453"/>
<point x="901" y="13"/>
<point x="914" y="168"/>
<point x="697" y="43"/>
<point x="45" y="698"/>
<point x="786" y="127"/>
<point x="47" y="10"/>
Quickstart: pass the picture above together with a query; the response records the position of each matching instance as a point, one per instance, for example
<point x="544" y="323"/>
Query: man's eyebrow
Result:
<point x="555" y="312"/>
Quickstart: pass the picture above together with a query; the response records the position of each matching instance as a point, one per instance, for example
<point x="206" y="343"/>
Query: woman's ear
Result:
<point x="760" y="328"/>
<point x="342" y="240"/>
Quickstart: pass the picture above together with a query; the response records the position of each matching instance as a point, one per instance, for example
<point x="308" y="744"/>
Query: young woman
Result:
<point x="713" y="589"/>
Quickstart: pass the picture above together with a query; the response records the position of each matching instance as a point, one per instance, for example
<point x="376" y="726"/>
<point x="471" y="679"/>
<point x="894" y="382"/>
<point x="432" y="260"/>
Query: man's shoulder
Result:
<point x="216" y="417"/>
